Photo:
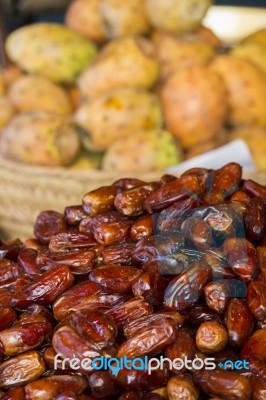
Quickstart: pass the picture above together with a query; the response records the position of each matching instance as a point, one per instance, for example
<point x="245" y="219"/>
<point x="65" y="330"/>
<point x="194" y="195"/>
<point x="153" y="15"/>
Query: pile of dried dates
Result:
<point x="145" y="291"/>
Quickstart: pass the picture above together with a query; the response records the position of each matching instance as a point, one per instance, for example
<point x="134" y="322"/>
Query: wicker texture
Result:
<point x="26" y="190"/>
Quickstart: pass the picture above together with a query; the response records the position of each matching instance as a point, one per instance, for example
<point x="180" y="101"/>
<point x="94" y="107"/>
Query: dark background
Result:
<point x="12" y="16"/>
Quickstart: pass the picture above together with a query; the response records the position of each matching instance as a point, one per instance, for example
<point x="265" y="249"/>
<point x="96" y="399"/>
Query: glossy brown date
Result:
<point x="51" y="387"/>
<point x="227" y="384"/>
<point x="154" y="338"/>
<point x="45" y="289"/>
<point x="185" y="187"/>
<point x="239" y="322"/>
<point x="102" y="385"/>
<point x="7" y="317"/>
<point x="211" y="337"/>
<point x="130" y="202"/>
<point x="119" y="254"/>
<point x="75" y="296"/>
<point x="9" y="272"/>
<point x="18" y="339"/>
<point x="141" y="380"/>
<point x="137" y="325"/>
<point x="48" y="223"/>
<point x="73" y="215"/>
<point x="99" y="200"/>
<point x="201" y="313"/>
<point x="79" y="262"/>
<point x="151" y="286"/>
<point x="182" y="386"/>
<point x="21" y="369"/>
<point x="198" y="232"/>
<point x="228" y="177"/>
<point x="171" y="218"/>
<point x="129" y="311"/>
<point x="259" y="389"/>
<point x="95" y="326"/>
<point x="67" y="241"/>
<point x="184" y="290"/>
<point x="27" y="259"/>
<point x="184" y="346"/>
<point x="240" y="197"/>
<point x="243" y="258"/>
<point x="218" y="293"/>
<point x="255" y="346"/>
<point x="256" y="299"/>
<point x="69" y="344"/>
<point x="154" y="247"/>
<point x="143" y="227"/>
<point x="253" y="188"/>
<point x="16" y="393"/>
<point x="108" y="234"/>
<point x="255" y="218"/>
<point x="115" y="278"/>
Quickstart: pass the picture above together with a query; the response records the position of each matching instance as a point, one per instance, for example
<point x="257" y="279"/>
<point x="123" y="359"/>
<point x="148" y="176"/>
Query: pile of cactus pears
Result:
<point x="129" y="86"/>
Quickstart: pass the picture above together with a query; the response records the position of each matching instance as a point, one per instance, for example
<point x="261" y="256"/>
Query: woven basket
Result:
<point x="26" y="190"/>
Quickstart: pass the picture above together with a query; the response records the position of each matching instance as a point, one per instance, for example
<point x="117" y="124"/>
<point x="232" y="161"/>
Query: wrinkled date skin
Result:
<point x="130" y="202"/>
<point x="45" y="289"/>
<point x="239" y="322"/>
<point x="79" y="262"/>
<point x="229" y="385"/>
<point x="21" y="369"/>
<point x="152" y="340"/>
<point x="9" y="272"/>
<point x="218" y="293"/>
<point x="67" y="241"/>
<point x="69" y="344"/>
<point x="151" y="286"/>
<point x="243" y="258"/>
<point x="94" y="326"/>
<point x="115" y="278"/>
<point x="130" y="310"/>
<point x="184" y="290"/>
<point x="211" y="337"/>
<point x="153" y="247"/>
<point x="74" y="297"/>
<point x="48" y="223"/>
<point x="182" y="386"/>
<point x="74" y="215"/>
<point x="119" y="254"/>
<point x="139" y="324"/>
<point x="171" y="217"/>
<point x="18" y="339"/>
